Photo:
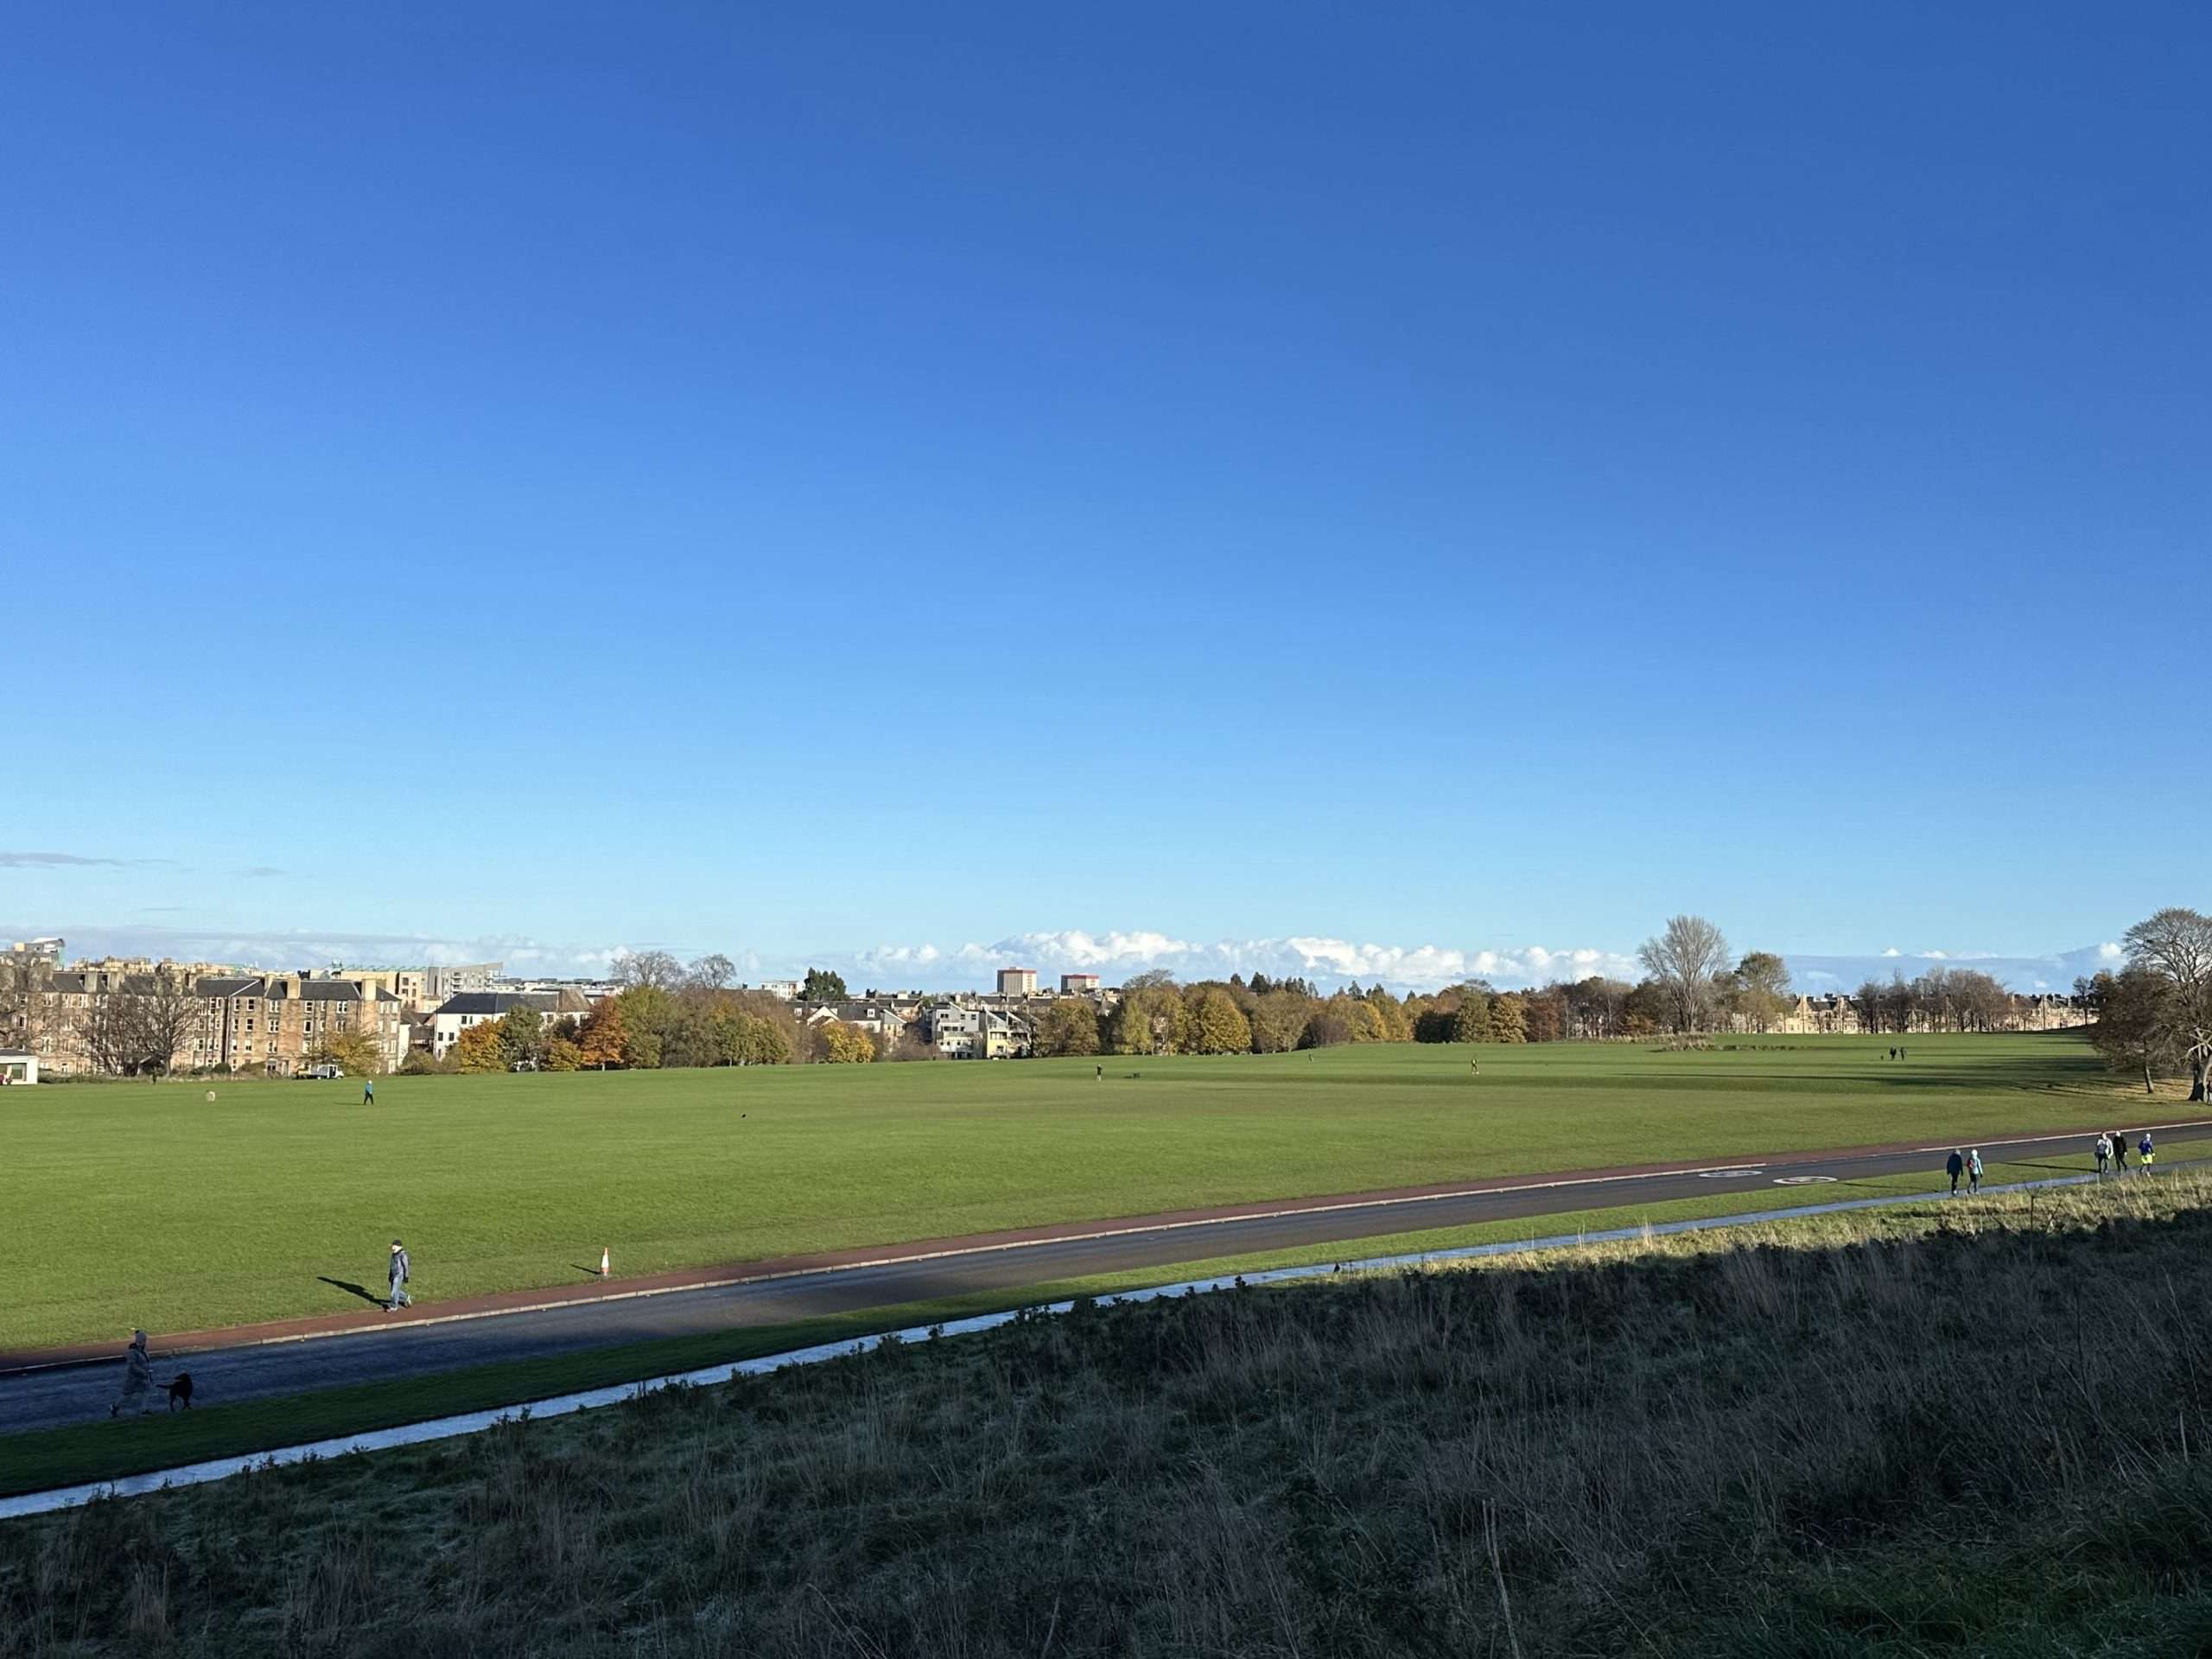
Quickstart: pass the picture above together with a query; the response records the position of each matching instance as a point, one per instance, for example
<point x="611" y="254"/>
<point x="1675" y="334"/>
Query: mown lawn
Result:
<point x="150" y="1206"/>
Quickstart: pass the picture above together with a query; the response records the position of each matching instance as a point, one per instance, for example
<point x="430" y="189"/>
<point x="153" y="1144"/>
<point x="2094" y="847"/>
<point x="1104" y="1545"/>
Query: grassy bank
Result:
<point x="1943" y="1429"/>
<point x="101" y="1450"/>
<point x="152" y="1206"/>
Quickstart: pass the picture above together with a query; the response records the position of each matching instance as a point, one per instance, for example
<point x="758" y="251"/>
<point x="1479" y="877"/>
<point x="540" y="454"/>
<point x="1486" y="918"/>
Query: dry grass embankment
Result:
<point x="1977" y="1428"/>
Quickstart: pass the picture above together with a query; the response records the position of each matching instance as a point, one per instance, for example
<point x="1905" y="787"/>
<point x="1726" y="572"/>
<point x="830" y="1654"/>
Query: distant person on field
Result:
<point x="2118" y="1152"/>
<point x="368" y="1091"/>
<point x="137" y="1376"/>
<point x="399" y="1297"/>
<point x="1974" y="1170"/>
<point x="2103" y="1149"/>
<point x="2150" y="1152"/>
<point x="1955" y="1167"/>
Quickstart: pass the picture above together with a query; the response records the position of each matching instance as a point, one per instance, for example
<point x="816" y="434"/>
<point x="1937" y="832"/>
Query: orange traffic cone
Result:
<point x="602" y="1264"/>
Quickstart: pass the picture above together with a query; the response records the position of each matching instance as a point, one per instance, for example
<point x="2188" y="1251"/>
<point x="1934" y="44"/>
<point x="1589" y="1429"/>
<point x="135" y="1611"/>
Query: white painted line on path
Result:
<point x="476" y="1422"/>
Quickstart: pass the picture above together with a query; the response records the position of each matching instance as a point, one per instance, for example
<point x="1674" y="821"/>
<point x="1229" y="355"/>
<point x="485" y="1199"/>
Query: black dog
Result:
<point x="180" y="1391"/>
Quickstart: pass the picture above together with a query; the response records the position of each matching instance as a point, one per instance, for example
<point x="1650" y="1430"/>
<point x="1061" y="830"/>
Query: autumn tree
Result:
<point x="1470" y="1022"/>
<point x="477" y="1049"/>
<point x="1509" y="1019"/>
<point x="1069" y="1027"/>
<point x="562" y="1054"/>
<point x="350" y="1049"/>
<point x="601" y="1043"/>
<point x="1215" y="1024"/>
<point x="1686" y="958"/>
<point x="845" y="1045"/>
<point x="1151" y="1018"/>
<point x="1278" y="1020"/>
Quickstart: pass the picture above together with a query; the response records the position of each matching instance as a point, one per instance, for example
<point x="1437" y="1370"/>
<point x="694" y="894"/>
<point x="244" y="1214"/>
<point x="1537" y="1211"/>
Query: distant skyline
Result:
<point x="1114" y="955"/>
<point x="1470" y="479"/>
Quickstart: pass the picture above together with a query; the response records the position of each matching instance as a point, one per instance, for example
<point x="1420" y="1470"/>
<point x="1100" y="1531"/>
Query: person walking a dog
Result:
<point x="137" y="1376"/>
<point x="399" y="1297"/>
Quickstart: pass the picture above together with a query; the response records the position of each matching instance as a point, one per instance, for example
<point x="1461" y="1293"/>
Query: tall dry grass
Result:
<point x="1971" y="1428"/>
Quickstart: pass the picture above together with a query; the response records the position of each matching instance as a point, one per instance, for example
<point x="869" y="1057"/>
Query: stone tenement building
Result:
<point x="269" y="1023"/>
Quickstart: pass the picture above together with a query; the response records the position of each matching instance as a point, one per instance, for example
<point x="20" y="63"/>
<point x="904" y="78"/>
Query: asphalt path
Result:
<point x="80" y="1393"/>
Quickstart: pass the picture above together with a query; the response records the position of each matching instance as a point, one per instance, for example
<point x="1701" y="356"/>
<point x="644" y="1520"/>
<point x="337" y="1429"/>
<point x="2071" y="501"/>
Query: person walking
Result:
<point x="2149" y="1151"/>
<point x="2118" y="1152"/>
<point x="2103" y="1149"/>
<point x="399" y="1297"/>
<point x="368" y="1091"/>
<point x="1974" y="1170"/>
<point x="137" y="1376"/>
<point x="1955" y="1167"/>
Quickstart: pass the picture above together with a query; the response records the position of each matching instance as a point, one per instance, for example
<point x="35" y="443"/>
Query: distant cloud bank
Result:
<point x="1113" y="955"/>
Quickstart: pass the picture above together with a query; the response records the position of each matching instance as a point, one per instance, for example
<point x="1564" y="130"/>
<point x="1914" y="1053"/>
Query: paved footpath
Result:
<point x="54" y="1387"/>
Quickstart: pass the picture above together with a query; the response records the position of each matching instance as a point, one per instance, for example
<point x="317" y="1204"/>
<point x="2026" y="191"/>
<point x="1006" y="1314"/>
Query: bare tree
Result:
<point x="2134" y="1028"/>
<point x="167" y="1012"/>
<point x="710" y="972"/>
<point x="2177" y="945"/>
<point x="26" y="976"/>
<point x="653" y="969"/>
<point x="1686" y="959"/>
<point x="138" y="1027"/>
<point x="105" y="1032"/>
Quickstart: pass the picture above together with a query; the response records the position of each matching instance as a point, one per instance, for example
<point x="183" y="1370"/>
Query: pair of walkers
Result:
<point x="1968" y="1164"/>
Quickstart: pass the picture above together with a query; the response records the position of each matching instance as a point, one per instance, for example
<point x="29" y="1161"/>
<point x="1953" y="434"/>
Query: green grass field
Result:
<point x="1969" y="1429"/>
<point x="151" y="1206"/>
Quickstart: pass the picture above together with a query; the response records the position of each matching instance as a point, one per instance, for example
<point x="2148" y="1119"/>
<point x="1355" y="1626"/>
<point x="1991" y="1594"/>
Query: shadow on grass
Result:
<point x="366" y="1295"/>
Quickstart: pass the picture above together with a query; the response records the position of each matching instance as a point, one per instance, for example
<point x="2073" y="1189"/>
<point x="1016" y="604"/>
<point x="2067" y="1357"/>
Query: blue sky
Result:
<point x="1470" y="480"/>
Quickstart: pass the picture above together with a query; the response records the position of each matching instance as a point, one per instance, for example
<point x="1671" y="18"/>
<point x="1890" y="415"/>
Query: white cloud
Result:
<point x="1893" y="951"/>
<point x="1117" y="955"/>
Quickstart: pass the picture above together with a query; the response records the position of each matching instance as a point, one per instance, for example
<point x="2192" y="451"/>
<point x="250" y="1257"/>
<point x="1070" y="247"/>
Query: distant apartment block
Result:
<point x="1079" y="984"/>
<point x="1017" y="981"/>
<point x="270" y="1023"/>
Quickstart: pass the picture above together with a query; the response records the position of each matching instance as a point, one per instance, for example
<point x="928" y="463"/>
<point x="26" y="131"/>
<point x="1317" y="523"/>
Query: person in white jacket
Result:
<point x="137" y="1376"/>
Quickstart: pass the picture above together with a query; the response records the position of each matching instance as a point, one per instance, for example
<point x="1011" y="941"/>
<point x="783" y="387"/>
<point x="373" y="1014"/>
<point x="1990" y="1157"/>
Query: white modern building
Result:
<point x="17" y="1066"/>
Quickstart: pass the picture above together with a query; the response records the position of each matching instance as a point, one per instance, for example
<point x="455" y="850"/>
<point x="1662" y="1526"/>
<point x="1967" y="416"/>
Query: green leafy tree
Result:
<point x="823" y="986"/>
<point x="562" y="1054"/>
<point x="1761" y="989"/>
<point x="1470" y="1021"/>
<point x="522" y="1035"/>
